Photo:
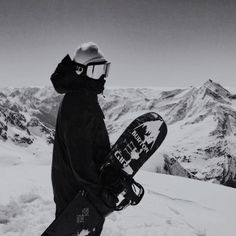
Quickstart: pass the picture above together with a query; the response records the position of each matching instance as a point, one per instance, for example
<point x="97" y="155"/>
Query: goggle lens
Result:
<point x="96" y="71"/>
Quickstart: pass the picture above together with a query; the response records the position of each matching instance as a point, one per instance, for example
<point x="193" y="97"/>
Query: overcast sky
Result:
<point x="157" y="43"/>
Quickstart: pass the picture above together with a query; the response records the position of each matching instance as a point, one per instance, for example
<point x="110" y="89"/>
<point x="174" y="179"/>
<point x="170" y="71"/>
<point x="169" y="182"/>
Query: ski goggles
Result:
<point x="93" y="70"/>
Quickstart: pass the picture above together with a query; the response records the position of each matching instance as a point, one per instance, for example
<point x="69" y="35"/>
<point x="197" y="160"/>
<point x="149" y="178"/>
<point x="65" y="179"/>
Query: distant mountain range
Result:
<point x="201" y="140"/>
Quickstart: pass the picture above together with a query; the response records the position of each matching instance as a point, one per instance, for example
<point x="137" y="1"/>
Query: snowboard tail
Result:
<point x="80" y="217"/>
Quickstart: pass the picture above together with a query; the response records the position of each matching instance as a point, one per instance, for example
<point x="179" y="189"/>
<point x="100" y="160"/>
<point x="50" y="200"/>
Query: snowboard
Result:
<point x="79" y="218"/>
<point x="132" y="149"/>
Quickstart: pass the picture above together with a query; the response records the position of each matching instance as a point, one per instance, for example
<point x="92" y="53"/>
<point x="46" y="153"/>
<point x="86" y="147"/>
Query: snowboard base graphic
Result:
<point x="138" y="142"/>
<point x="133" y="148"/>
<point x="79" y="218"/>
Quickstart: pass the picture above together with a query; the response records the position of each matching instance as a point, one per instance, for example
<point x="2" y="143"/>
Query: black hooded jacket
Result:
<point x="81" y="139"/>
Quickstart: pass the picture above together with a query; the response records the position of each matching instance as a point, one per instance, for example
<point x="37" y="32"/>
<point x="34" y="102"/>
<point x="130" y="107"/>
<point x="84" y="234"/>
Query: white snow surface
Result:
<point x="171" y="205"/>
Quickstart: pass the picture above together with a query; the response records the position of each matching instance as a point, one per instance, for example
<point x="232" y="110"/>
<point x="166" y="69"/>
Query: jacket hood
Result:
<point x="65" y="79"/>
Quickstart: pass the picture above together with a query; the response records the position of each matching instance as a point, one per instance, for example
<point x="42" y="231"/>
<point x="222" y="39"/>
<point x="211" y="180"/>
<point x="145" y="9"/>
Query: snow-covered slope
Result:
<point x="27" y="119"/>
<point x="171" y="206"/>
<point x="201" y="125"/>
<point x="201" y="128"/>
<point x="200" y="144"/>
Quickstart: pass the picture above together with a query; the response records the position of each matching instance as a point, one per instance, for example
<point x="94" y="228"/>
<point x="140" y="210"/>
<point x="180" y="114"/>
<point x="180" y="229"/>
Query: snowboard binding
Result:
<point x="132" y="194"/>
<point x="119" y="183"/>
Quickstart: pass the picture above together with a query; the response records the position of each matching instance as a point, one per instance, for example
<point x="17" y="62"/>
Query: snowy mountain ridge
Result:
<point x="201" y="123"/>
<point x="25" y="115"/>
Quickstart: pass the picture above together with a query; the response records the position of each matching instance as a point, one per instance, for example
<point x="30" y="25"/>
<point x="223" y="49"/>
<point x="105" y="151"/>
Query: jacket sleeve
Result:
<point x="86" y="142"/>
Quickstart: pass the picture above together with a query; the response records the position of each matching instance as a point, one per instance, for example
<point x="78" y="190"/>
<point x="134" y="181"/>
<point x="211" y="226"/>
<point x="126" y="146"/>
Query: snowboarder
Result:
<point x="81" y="138"/>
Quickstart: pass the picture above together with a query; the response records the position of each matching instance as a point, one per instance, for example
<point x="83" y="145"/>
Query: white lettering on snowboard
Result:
<point x="119" y="157"/>
<point x="152" y="131"/>
<point x="140" y="141"/>
<point x="124" y="163"/>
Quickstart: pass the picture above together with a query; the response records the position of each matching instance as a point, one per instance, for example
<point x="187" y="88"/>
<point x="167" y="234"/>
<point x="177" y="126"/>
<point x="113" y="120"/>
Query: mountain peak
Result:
<point x="215" y="88"/>
<point x="209" y="81"/>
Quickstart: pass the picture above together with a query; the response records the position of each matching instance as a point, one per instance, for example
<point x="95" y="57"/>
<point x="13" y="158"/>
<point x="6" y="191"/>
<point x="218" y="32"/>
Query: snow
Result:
<point x="177" y="206"/>
<point x="171" y="205"/>
<point x="195" y="120"/>
<point x="231" y="89"/>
